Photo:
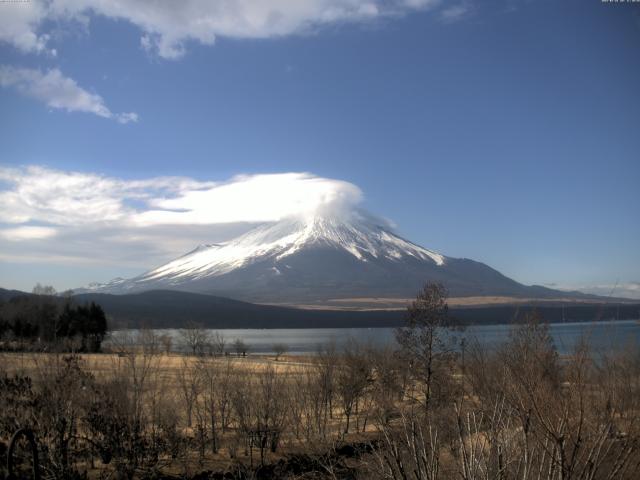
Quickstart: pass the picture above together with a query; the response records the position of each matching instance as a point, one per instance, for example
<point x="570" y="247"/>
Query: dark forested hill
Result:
<point x="169" y="308"/>
<point x="174" y="309"/>
<point x="164" y="308"/>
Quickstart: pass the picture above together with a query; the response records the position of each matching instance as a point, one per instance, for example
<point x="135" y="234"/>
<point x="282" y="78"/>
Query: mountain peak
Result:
<point x="357" y="236"/>
<point x="314" y="257"/>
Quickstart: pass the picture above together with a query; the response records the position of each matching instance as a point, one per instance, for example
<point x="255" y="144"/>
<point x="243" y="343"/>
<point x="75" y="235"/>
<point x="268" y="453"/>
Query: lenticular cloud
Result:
<point x="80" y="213"/>
<point x="255" y="198"/>
<point x="58" y="198"/>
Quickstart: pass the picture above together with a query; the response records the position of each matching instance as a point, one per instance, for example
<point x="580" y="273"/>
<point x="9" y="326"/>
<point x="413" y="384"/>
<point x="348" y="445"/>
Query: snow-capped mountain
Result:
<point x="316" y="258"/>
<point x="365" y="242"/>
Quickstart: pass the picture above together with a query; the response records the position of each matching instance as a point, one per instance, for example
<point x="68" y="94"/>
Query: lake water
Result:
<point x="603" y="336"/>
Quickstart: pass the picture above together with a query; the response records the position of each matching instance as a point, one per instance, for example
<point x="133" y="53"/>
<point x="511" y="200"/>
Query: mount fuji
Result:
<point x="320" y="258"/>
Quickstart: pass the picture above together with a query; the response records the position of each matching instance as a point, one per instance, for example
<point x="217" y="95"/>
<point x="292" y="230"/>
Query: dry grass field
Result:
<point x="193" y="390"/>
<point x="104" y="364"/>
<point x="393" y="303"/>
<point x="518" y="411"/>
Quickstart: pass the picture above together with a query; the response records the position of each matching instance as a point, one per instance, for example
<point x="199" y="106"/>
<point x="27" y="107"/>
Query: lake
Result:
<point x="603" y="336"/>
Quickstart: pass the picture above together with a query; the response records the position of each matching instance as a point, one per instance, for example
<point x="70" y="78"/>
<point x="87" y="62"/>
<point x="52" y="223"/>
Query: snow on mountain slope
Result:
<point x="361" y="239"/>
<point x="96" y="286"/>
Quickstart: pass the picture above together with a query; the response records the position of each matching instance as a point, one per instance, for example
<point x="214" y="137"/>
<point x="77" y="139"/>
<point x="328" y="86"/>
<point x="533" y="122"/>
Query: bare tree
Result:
<point x="388" y="385"/>
<point x="279" y="349"/>
<point x="327" y="359"/>
<point x="408" y="451"/>
<point x="149" y="341"/>
<point x="425" y="343"/>
<point x="195" y="338"/>
<point x="44" y="290"/>
<point x="189" y="387"/>
<point x="260" y="403"/>
<point x="166" y="341"/>
<point x="215" y="379"/>
<point x="217" y="343"/>
<point x="310" y="387"/>
<point x="352" y="378"/>
<point x="240" y="347"/>
<point x="540" y="418"/>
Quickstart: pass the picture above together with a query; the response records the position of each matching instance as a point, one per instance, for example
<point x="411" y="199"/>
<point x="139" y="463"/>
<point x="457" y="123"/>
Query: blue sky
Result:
<point x="503" y="131"/>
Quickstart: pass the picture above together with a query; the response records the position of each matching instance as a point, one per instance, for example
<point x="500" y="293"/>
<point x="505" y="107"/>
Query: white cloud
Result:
<point x="616" y="290"/>
<point x="255" y="198"/>
<point x="621" y="290"/>
<point x="19" y="24"/>
<point x="455" y="12"/>
<point x="102" y="220"/>
<point x="74" y="198"/>
<point x="126" y="117"/>
<point x="166" y="26"/>
<point x="27" y="233"/>
<point x="58" y="91"/>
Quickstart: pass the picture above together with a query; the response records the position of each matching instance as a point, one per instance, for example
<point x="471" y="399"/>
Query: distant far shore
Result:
<point x="382" y="318"/>
<point x="391" y="303"/>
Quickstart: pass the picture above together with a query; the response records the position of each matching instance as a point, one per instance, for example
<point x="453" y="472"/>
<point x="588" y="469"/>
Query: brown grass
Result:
<point x="390" y="303"/>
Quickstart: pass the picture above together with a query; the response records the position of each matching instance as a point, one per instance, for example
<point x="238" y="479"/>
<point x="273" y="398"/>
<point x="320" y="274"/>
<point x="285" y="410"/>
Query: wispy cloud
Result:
<point x="19" y="234"/>
<point x="58" y="91"/>
<point x="455" y="12"/>
<point x="166" y="27"/>
<point x="100" y="219"/>
<point x="629" y="289"/>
